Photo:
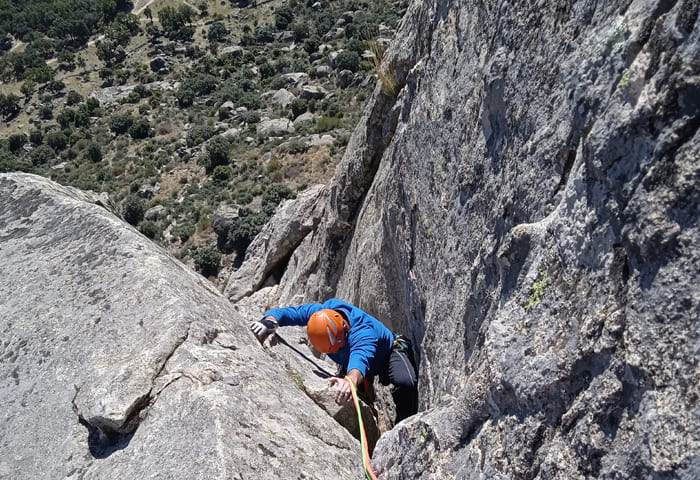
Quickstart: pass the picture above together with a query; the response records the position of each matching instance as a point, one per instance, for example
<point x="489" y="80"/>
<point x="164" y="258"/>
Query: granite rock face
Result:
<point x="119" y="362"/>
<point x="526" y="210"/>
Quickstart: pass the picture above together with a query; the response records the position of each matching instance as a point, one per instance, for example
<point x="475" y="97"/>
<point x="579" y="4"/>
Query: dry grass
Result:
<point x="390" y="85"/>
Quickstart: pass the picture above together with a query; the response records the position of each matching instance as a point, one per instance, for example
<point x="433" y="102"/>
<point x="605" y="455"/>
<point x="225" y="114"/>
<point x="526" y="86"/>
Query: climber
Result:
<point x="358" y="343"/>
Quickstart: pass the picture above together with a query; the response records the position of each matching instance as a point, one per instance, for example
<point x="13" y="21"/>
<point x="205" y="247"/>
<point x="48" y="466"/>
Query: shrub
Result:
<point x="199" y="134"/>
<point x="36" y="136"/>
<point x="217" y="153"/>
<point x="347" y="60"/>
<point x="94" y="152"/>
<point x="57" y="140"/>
<point x="140" y="129"/>
<point x="217" y="32"/>
<point x="15" y="142"/>
<point x="9" y="105"/>
<point x="250" y="117"/>
<point x="250" y="101"/>
<point x="298" y="106"/>
<point x="283" y="17"/>
<point x="73" y="98"/>
<point x="46" y="112"/>
<point x="325" y="124"/>
<point x="185" y="97"/>
<point x="267" y="70"/>
<point x="149" y="229"/>
<point x="244" y="229"/>
<point x="42" y="154"/>
<point x="311" y="44"/>
<point x="91" y="105"/>
<point x="133" y="209"/>
<point x="273" y="195"/>
<point x="121" y="123"/>
<point x="183" y="232"/>
<point x="207" y="260"/>
<point x="222" y="173"/>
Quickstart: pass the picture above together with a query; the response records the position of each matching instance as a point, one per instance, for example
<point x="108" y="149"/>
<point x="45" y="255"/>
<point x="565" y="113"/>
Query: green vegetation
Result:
<point x="207" y="260"/>
<point x="192" y="134"/>
<point x="538" y="289"/>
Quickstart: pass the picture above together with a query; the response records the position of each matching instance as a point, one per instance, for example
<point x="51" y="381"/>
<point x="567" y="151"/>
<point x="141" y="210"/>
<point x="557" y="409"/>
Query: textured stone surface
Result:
<point x="526" y="209"/>
<point x="119" y="362"/>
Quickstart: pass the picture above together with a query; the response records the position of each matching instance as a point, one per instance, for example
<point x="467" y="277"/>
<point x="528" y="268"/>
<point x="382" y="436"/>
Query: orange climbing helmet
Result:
<point x="326" y="331"/>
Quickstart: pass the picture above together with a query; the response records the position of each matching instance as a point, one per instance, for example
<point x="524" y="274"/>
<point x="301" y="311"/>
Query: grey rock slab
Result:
<point x="119" y="362"/>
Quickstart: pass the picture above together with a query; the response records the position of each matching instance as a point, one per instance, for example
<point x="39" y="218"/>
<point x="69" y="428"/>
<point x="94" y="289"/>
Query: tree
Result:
<point x="57" y="140"/>
<point x="244" y="229"/>
<point x="217" y="153"/>
<point x="94" y="152"/>
<point x="140" y="129"/>
<point x="9" y="104"/>
<point x="283" y="17"/>
<point x="73" y="97"/>
<point x="28" y="88"/>
<point x="17" y="141"/>
<point x="133" y="209"/>
<point x="217" y="32"/>
<point x="222" y="173"/>
<point x="42" y="154"/>
<point x="207" y="260"/>
<point x="120" y="123"/>
<point x="347" y="60"/>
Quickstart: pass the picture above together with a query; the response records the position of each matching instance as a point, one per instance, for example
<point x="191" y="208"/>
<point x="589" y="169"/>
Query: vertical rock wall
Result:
<point x="527" y="210"/>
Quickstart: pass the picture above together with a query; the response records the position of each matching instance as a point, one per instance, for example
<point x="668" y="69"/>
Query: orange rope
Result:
<point x="363" y="436"/>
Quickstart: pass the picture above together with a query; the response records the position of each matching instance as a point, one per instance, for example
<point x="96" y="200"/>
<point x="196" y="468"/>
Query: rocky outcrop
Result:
<point x="119" y="362"/>
<point x="526" y="209"/>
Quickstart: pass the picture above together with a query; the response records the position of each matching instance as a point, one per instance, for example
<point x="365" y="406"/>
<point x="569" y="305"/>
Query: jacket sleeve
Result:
<point x="294" y="315"/>
<point x="363" y="350"/>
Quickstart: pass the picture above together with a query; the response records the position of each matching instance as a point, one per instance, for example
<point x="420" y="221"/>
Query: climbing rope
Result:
<point x="363" y="436"/>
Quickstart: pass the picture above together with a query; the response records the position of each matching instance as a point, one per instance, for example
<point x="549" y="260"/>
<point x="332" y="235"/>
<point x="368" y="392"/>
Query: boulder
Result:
<point x="148" y="190"/>
<point x="233" y="50"/>
<point x="295" y="77"/>
<point x="318" y="140"/>
<point x="221" y="222"/>
<point x="345" y="78"/>
<point x="153" y="214"/>
<point x="313" y="92"/>
<point x="282" y="97"/>
<point x="304" y="117"/>
<point x="323" y="71"/>
<point x="276" y="127"/>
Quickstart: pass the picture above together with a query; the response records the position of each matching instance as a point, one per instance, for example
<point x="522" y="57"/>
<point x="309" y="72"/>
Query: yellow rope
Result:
<point x="363" y="436"/>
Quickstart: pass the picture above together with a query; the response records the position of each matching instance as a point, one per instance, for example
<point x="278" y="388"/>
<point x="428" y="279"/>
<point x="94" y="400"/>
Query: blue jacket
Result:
<point x="369" y="342"/>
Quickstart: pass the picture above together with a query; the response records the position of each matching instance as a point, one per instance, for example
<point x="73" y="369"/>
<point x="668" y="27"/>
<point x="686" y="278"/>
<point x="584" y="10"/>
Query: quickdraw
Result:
<point x="363" y="436"/>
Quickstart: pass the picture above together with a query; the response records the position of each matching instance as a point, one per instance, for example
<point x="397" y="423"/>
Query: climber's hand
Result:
<point x="344" y="393"/>
<point x="262" y="328"/>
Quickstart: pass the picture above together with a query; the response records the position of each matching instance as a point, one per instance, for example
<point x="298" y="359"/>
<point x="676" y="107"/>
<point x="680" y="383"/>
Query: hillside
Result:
<point x="179" y="109"/>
